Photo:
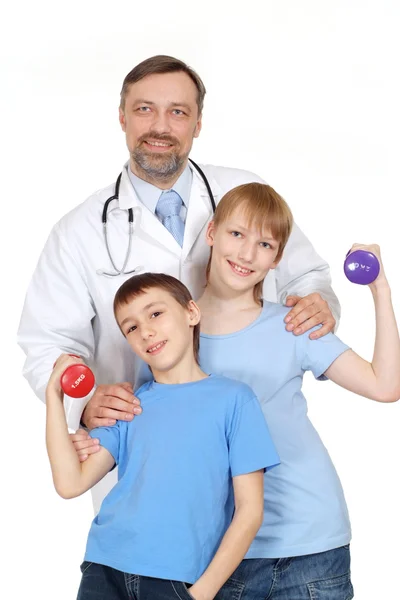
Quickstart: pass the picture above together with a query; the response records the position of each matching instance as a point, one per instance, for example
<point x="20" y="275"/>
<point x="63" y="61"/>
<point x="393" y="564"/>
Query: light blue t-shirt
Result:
<point x="305" y="510"/>
<point x="173" y="501"/>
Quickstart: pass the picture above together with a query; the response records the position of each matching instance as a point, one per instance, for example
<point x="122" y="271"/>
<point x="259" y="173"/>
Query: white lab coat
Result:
<point x="68" y="307"/>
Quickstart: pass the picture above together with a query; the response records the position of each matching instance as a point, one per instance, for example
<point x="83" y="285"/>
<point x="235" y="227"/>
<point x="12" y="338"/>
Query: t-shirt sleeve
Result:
<point x="250" y="444"/>
<point x="318" y="355"/>
<point x="109" y="438"/>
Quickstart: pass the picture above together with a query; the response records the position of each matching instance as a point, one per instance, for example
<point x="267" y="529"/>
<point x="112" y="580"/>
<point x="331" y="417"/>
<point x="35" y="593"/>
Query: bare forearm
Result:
<point x="386" y="359"/>
<point x="64" y="461"/>
<point x="230" y="553"/>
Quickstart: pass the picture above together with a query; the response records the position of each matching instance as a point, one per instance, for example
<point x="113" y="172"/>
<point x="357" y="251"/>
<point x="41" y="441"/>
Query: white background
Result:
<point x="305" y="94"/>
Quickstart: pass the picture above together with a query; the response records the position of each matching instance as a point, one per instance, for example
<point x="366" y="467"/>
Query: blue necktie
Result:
<point x="168" y="208"/>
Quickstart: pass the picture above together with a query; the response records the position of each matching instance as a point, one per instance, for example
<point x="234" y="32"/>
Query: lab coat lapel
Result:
<point x="200" y="211"/>
<point x="146" y="224"/>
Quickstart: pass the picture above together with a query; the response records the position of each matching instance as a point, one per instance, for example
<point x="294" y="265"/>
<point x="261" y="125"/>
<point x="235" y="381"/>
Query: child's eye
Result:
<point x="131" y="329"/>
<point x="156" y="314"/>
<point x="236" y="234"/>
<point x="265" y="245"/>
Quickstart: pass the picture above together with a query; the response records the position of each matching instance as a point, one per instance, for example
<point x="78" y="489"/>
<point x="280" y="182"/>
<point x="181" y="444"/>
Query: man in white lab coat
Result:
<point x="68" y="307"/>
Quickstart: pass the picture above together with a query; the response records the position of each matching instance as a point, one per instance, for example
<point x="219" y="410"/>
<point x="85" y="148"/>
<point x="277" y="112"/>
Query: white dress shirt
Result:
<point x="149" y="194"/>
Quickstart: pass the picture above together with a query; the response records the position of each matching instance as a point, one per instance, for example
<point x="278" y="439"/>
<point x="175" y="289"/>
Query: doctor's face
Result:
<point x="159" y="330"/>
<point x="160" y="119"/>
<point x="242" y="254"/>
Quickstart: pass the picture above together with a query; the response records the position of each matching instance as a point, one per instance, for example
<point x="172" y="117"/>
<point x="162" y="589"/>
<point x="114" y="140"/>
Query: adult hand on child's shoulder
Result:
<point x="110" y="403"/>
<point x="308" y="312"/>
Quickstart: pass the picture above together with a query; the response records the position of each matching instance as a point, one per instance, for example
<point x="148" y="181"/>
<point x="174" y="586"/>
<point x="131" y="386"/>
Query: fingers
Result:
<point x="84" y="445"/>
<point x="84" y="454"/>
<point x="114" y="408"/>
<point x="65" y="360"/>
<point x="127" y="386"/>
<point x="292" y="300"/>
<point x="373" y="248"/>
<point x="326" y="328"/>
<point x="94" y="422"/>
<point x="62" y="362"/>
<point x="117" y="404"/>
<point x="110" y="403"/>
<point x="104" y="412"/>
<point x="369" y="247"/>
<point x="80" y="432"/>
<point x="79" y="435"/>
<point x="119" y="391"/>
<point x="310" y="311"/>
<point x="308" y="324"/>
<point x="304" y="309"/>
<point x="328" y="325"/>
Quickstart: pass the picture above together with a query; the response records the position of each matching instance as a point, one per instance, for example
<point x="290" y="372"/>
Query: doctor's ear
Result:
<point x="210" y="233"/>
<point x="198" y="127"/>
<point x="122" y="119"/>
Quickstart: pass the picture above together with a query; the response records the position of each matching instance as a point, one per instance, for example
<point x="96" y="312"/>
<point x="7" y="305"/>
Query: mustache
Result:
<point x="160" y="137"/>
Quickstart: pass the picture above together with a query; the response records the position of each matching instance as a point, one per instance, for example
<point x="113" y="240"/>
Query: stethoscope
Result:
<point x="130" y="222"/>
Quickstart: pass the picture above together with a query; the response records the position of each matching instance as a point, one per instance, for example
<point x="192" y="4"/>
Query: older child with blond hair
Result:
<point x="302" y="548"/>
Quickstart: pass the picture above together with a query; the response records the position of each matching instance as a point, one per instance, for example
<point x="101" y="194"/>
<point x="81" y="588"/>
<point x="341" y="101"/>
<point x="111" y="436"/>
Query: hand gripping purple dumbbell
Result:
<point x="361" y="267"/>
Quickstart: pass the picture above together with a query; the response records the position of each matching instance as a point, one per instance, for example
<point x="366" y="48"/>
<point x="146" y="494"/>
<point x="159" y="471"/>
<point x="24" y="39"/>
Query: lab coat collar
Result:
<point x="128" y="197"/>
<point x="150" y="194"/>
<point x="199" y="213"/>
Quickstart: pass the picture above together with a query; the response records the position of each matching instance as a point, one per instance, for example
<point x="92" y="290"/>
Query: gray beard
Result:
<point x="158" y="168"/>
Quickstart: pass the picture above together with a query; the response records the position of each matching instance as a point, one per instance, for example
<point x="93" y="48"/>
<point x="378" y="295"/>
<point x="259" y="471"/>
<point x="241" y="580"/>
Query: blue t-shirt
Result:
<point x="173" y="501"/>
<point x="305" y="510"/>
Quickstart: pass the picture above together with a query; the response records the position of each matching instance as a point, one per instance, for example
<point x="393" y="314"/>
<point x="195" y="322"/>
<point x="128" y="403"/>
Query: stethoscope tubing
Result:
<point x="115" y="196"/>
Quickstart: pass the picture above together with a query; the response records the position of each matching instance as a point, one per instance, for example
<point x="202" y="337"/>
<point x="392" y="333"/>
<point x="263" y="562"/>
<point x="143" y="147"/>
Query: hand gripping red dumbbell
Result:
<point x="77" y="380"/>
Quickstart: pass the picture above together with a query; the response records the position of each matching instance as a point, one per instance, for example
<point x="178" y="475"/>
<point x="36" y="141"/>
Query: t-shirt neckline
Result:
<point x="239" y="331"/>
<point x="155" y="384"/>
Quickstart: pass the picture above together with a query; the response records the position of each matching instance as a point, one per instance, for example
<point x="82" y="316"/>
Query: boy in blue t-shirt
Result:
<point x="189" y="499"/>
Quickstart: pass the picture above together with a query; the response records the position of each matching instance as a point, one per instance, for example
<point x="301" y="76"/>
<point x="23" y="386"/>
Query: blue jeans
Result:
<point x="323" y="576"/>
<point x="104" y="583"/>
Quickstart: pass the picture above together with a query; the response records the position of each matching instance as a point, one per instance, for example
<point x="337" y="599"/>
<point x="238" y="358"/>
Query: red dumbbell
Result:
<point x="77" y="380"/>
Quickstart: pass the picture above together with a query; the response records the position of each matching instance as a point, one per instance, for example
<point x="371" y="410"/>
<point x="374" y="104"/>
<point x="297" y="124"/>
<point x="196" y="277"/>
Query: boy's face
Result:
<point x="159" y="329"/>
<point x="242" y="255"/>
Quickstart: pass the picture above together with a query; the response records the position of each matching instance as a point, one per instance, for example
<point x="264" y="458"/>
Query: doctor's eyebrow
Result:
<point x="172" y="104"/>
<point x="143" y="101"/>
<point x="181" y="105"/>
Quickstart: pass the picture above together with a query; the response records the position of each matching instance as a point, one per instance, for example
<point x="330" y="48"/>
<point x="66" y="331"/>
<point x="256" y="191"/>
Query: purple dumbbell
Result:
<point x="361" y="267"/>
